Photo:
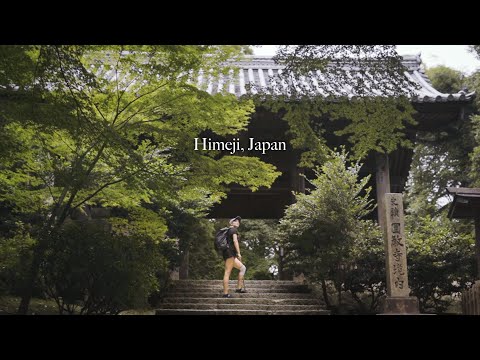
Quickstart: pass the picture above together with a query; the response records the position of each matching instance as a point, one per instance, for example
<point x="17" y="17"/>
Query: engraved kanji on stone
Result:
<point x="396" y="246"/>
<point x="394" y="212"/>
<point x="397" y="254"/>
<point x="398" y="269"/>
<point x="399" y="283"/>
<point x="395" y="228"/>
<point x="397" y="240"/>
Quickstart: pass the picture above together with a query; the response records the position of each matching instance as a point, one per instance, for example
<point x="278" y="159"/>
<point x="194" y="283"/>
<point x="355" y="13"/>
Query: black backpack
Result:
<point x="221" y="239"/>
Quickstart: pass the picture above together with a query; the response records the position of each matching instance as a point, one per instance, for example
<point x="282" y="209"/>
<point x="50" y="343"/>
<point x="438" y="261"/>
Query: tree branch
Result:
<point x="137" y="98"/>
<point x="103" y="187"/>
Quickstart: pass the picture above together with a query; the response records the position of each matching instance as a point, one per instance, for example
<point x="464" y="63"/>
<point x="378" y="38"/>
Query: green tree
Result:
<point x="473" y="83"/>
<point x="322" y="227"/>
<point x="259" y="244"/>
<point x="445" y="79"/>
<point x="441" y="261"/>
<point x="476" y="50"/>
<point x="440" y="250"/>
<point x="113" y="126"/>
<point x="475" y="155"/>
<point x="440" y="160"/>
<point x="365" y="269"/>
<point x="204" y="262"/>
<point x="89" y="270"/>
<point x="441" y="157"/>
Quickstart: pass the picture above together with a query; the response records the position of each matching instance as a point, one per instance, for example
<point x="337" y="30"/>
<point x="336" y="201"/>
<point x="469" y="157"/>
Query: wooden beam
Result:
<point x="477" y="242"/>
<point x="382" y="176"/>
<point x="462" y="190"/>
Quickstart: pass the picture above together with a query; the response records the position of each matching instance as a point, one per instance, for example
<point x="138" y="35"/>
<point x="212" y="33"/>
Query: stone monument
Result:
<point x="398" y="299"/>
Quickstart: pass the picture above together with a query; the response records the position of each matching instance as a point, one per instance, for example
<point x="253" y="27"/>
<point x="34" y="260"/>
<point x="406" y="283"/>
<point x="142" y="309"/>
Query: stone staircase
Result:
<point x="263" y="297"/>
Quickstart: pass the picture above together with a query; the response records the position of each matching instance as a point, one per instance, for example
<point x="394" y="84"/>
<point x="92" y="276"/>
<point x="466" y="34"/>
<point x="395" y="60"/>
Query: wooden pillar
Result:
<point x="477" y="242"/>
<point x="281" y="275"/>
<point x="183" y="271"/>
<point x="382" y="173"/>
<point x="301" y="180"/>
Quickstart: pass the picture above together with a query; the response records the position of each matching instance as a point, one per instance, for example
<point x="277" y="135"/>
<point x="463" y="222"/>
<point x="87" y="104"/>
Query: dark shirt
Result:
<point x="231" y="231"/>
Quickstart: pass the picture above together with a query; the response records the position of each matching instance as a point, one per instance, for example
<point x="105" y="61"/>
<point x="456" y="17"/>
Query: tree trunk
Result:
<point x="338" y="287"/>
<point x="49" y="227"/>
<point x="27" y="289"/>
<point x="325" y="294"/>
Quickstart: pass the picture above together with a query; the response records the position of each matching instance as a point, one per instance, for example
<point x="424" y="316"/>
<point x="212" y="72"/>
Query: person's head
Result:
<point x="235" y="221"/>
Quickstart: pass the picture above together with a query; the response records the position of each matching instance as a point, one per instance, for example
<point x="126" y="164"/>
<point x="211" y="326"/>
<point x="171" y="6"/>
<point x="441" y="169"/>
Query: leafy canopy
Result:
<point x="372" y="120"/>
<point x="114" y="125"/>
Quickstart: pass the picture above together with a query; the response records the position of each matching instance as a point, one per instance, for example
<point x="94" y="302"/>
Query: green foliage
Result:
<point x="440" y="250"/>
<point x="113" y="126"/>
<point x="379" y="66"/>
<point x="142" y="221"/>
<point x="473" y="82"/>
<point x="89" y="271"/>
<point x="476" y="50"/>
<point x="365" y="124"/>
<point x="338" y="201"/>
<point x="15" y="253"/>
<point x="441" y="261"/>
<point x="475" y="155"/>
<point x="372" y="120"/>
<point x="325" y="235"/>
<point x="442" y="157"/>
<point x="244" y="49"/>
<point x="376" y="124"/>
<point x="204" y="262"/>
<point x="365" y="268"/>
<point x="259" y="245"/>
<point x="439" y="160"/>
<point x="17" y="65"/>
<point x="445" y="79"/>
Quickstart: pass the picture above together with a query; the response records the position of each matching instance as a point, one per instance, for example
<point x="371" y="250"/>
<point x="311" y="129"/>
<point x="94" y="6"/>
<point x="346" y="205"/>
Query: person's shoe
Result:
<point x="242" y="291"/>
<point x="227" y="295"/>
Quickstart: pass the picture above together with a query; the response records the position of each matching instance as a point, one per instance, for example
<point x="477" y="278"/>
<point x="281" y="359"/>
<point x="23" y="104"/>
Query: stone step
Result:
<point x="293" y="288"/>
<point x="247" y="306"/>
<point x="249" y="294"/>
<point x="220" y="282"/>
<point x="215" y="290"/>
<point x="263" y="297"/>
<point x="261" y="301"/>
<point x="239" y="312"/>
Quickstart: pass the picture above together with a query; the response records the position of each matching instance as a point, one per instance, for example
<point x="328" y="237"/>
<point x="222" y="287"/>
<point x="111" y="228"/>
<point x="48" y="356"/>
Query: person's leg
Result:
<point x="241" y="275"/>
<point x="226" y="277"/>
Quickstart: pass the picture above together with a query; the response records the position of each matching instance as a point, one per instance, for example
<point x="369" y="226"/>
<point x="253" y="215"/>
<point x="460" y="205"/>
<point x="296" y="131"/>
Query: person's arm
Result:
<point x="237" y="247"/>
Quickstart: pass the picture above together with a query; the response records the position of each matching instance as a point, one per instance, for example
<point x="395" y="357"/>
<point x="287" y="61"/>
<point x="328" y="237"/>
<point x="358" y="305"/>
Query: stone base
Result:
<point x="400" y="306"/>
<point x="299" y="279"/>
<point x="175" y="274"/>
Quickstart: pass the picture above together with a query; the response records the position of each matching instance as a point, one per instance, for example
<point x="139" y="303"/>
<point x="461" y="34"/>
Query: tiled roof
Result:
<point x="262" y="71"/>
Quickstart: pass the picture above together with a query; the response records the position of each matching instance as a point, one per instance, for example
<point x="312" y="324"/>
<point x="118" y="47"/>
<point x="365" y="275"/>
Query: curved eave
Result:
<point x="261" y="72"/>
<point x="428" y="94"/>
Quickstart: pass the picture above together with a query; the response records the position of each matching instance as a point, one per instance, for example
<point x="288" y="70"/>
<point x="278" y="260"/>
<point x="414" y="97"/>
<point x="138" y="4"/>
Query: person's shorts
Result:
<point x="228" y="254"/>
